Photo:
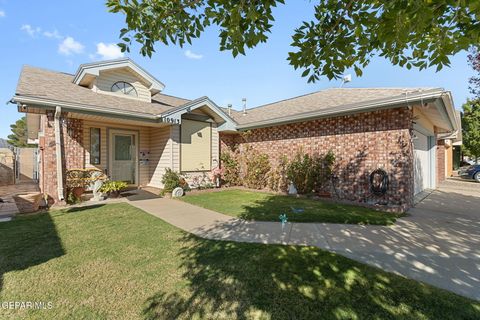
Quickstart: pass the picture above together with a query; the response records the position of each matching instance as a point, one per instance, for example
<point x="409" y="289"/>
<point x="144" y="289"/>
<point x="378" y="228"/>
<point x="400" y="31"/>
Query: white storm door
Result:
<point x="422" y="167"/>
<point x="123" y="151"/>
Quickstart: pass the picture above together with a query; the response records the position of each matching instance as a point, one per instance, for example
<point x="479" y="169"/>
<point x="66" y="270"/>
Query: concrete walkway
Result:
<point x="438" y="243"/>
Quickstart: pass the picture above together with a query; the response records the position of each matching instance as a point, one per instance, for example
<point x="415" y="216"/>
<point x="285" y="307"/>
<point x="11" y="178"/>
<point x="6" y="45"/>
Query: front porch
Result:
<point x="137" y="152"/>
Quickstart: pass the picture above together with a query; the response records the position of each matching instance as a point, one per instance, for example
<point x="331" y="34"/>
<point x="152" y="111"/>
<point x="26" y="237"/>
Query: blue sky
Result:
<point x="60" y="35"/>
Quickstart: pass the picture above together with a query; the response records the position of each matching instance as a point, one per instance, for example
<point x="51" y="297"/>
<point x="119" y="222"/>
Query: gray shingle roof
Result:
<point x="317" y="101"/>
<point x="58" y="86"/>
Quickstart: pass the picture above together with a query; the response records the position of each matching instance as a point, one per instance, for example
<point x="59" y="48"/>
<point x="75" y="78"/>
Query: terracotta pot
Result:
<point x="78" y="191"/>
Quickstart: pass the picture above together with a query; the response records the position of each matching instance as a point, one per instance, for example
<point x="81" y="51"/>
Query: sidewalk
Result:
<point x="418" y="246"/>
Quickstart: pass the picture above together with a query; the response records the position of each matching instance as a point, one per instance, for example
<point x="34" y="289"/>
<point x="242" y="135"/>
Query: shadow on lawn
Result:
<point x="269" y="209"/>
<point x="229" y="280"/>
<point x="28" y="242"/>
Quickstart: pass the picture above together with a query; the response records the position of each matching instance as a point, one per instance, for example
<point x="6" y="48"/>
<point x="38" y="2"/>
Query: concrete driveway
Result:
<point x="438" y="243"/>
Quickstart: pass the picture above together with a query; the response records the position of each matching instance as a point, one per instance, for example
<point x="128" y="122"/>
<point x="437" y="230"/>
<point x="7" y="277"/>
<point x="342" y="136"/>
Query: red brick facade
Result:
<point x="440" y="161"/>
<point x="72" y="151"/>
<point x="361" y="143"/>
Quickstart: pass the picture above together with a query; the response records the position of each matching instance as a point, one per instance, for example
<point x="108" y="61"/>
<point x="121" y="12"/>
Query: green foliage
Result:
<point x="309" y="173"/>
<point x="170" y="180"/>
<point x="231" y="166"/>
<point x="278" y="179"/>
<point x="113" y="186"/>
<point x="18" y="138"/>
<point x="471" y="127"/>
<point x="72" y="199"/>
<point x="341" y="35"/>
<point x="257" y="166"/>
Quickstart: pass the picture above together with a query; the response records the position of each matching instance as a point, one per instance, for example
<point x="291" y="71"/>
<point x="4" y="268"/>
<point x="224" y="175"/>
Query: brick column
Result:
<point x="440" y="161"/>
<point x="72" y="151"/>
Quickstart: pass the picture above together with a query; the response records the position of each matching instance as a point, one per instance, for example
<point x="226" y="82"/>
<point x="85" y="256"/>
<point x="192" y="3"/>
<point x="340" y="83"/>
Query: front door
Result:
<point x="123" y="160"/>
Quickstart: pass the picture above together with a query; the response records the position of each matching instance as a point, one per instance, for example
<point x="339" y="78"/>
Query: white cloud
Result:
<point x="2" y="14"/>
<point x="52" y="34"/>
<point x="70" y="46"/>
<point x="109" y="51"/>
<point x="190" y="55"/>
<point x="31" y="31"/>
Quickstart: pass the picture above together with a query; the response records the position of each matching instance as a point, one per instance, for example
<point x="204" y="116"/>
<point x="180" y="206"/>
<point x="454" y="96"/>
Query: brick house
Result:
<point x="114" y="116"/>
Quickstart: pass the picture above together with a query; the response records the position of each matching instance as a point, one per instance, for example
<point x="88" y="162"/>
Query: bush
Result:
<point x="231" y="166"/>
<point x="278" y="180"/>
<point x="309" y="173"/>
<point x="113" y="186"/>
<point x="257" y="166"/>
<point x="171" y="180"/>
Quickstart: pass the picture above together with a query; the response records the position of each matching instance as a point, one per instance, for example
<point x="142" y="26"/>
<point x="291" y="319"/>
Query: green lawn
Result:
<point x="117" y="262"/>
<point x="263" y="206"/>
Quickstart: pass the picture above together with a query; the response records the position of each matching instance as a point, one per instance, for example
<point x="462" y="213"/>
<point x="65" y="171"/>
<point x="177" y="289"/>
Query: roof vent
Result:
<point x="244" y="101"/>
<point x="229" y="107"/>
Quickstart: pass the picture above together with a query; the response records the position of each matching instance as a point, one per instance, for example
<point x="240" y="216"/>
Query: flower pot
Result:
<point x="114" y="194"/>
<point x="78" y="191"/>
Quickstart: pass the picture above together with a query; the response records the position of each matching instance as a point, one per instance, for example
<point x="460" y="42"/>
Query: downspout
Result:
<point x="58" y="152"/>
<point x="171" y="147"/>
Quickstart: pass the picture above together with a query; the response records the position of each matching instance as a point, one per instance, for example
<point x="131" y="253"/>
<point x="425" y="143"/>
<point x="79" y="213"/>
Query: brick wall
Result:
<point x="72" y="151"/>
<point x="361" y="143"/>
<point x="440" y="161"/>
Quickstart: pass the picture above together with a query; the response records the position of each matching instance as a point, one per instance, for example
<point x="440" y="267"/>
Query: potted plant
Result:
<point x="113" y="188"/>
<point x="77" y="180"/>
<point x="170" y="180"/>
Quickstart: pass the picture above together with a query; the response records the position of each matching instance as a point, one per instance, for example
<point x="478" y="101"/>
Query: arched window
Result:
<point x="125" y="88"/>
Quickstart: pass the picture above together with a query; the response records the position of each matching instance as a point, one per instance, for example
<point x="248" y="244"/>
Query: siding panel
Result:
<point x="106" y="79"/>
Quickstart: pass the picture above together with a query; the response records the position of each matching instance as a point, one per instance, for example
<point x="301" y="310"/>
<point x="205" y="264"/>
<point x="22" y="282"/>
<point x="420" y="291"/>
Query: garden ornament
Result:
<point x="283" y="219"/>
<point x="177" y="192"/>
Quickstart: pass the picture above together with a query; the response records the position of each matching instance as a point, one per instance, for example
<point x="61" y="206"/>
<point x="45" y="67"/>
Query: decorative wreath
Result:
<point x="379" y="182"/>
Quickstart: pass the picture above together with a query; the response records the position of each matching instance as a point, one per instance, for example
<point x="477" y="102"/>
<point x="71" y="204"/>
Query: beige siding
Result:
<point x="144" y="145"/>
<point x="215" y="147"/>
<point x="196" y="142"/>
<point x="106" y="79"/>
<point x="160" y="154"/>
<point x="175" y="136"/>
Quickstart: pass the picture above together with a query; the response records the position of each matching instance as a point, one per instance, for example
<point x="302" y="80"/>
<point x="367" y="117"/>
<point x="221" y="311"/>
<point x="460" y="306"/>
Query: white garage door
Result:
<point x="423" y="171"/>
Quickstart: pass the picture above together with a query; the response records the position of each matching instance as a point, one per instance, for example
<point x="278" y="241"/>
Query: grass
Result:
<point x="263" y="206"/>
<point x="117" y="262"/>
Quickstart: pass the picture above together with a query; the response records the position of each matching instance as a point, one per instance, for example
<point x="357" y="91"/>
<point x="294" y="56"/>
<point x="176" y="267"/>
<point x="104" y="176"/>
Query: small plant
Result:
<point x="217" y="175"/>
<point x="72" y="199"/>
<point x="113" y="187"/>
<point x="171" y="180"/>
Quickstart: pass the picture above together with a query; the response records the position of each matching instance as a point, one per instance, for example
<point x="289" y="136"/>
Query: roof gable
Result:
<point x="87" y="72"/>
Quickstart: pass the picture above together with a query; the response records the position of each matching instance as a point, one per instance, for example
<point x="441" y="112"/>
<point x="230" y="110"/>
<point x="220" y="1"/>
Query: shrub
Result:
<point x="278" y="180"/>
<point x="309" y="173"/>
<point x="113" y="186"/>
<point x="257" y="166"/>
<point x="171" y="180"/>
<point x="231" y="166"/>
